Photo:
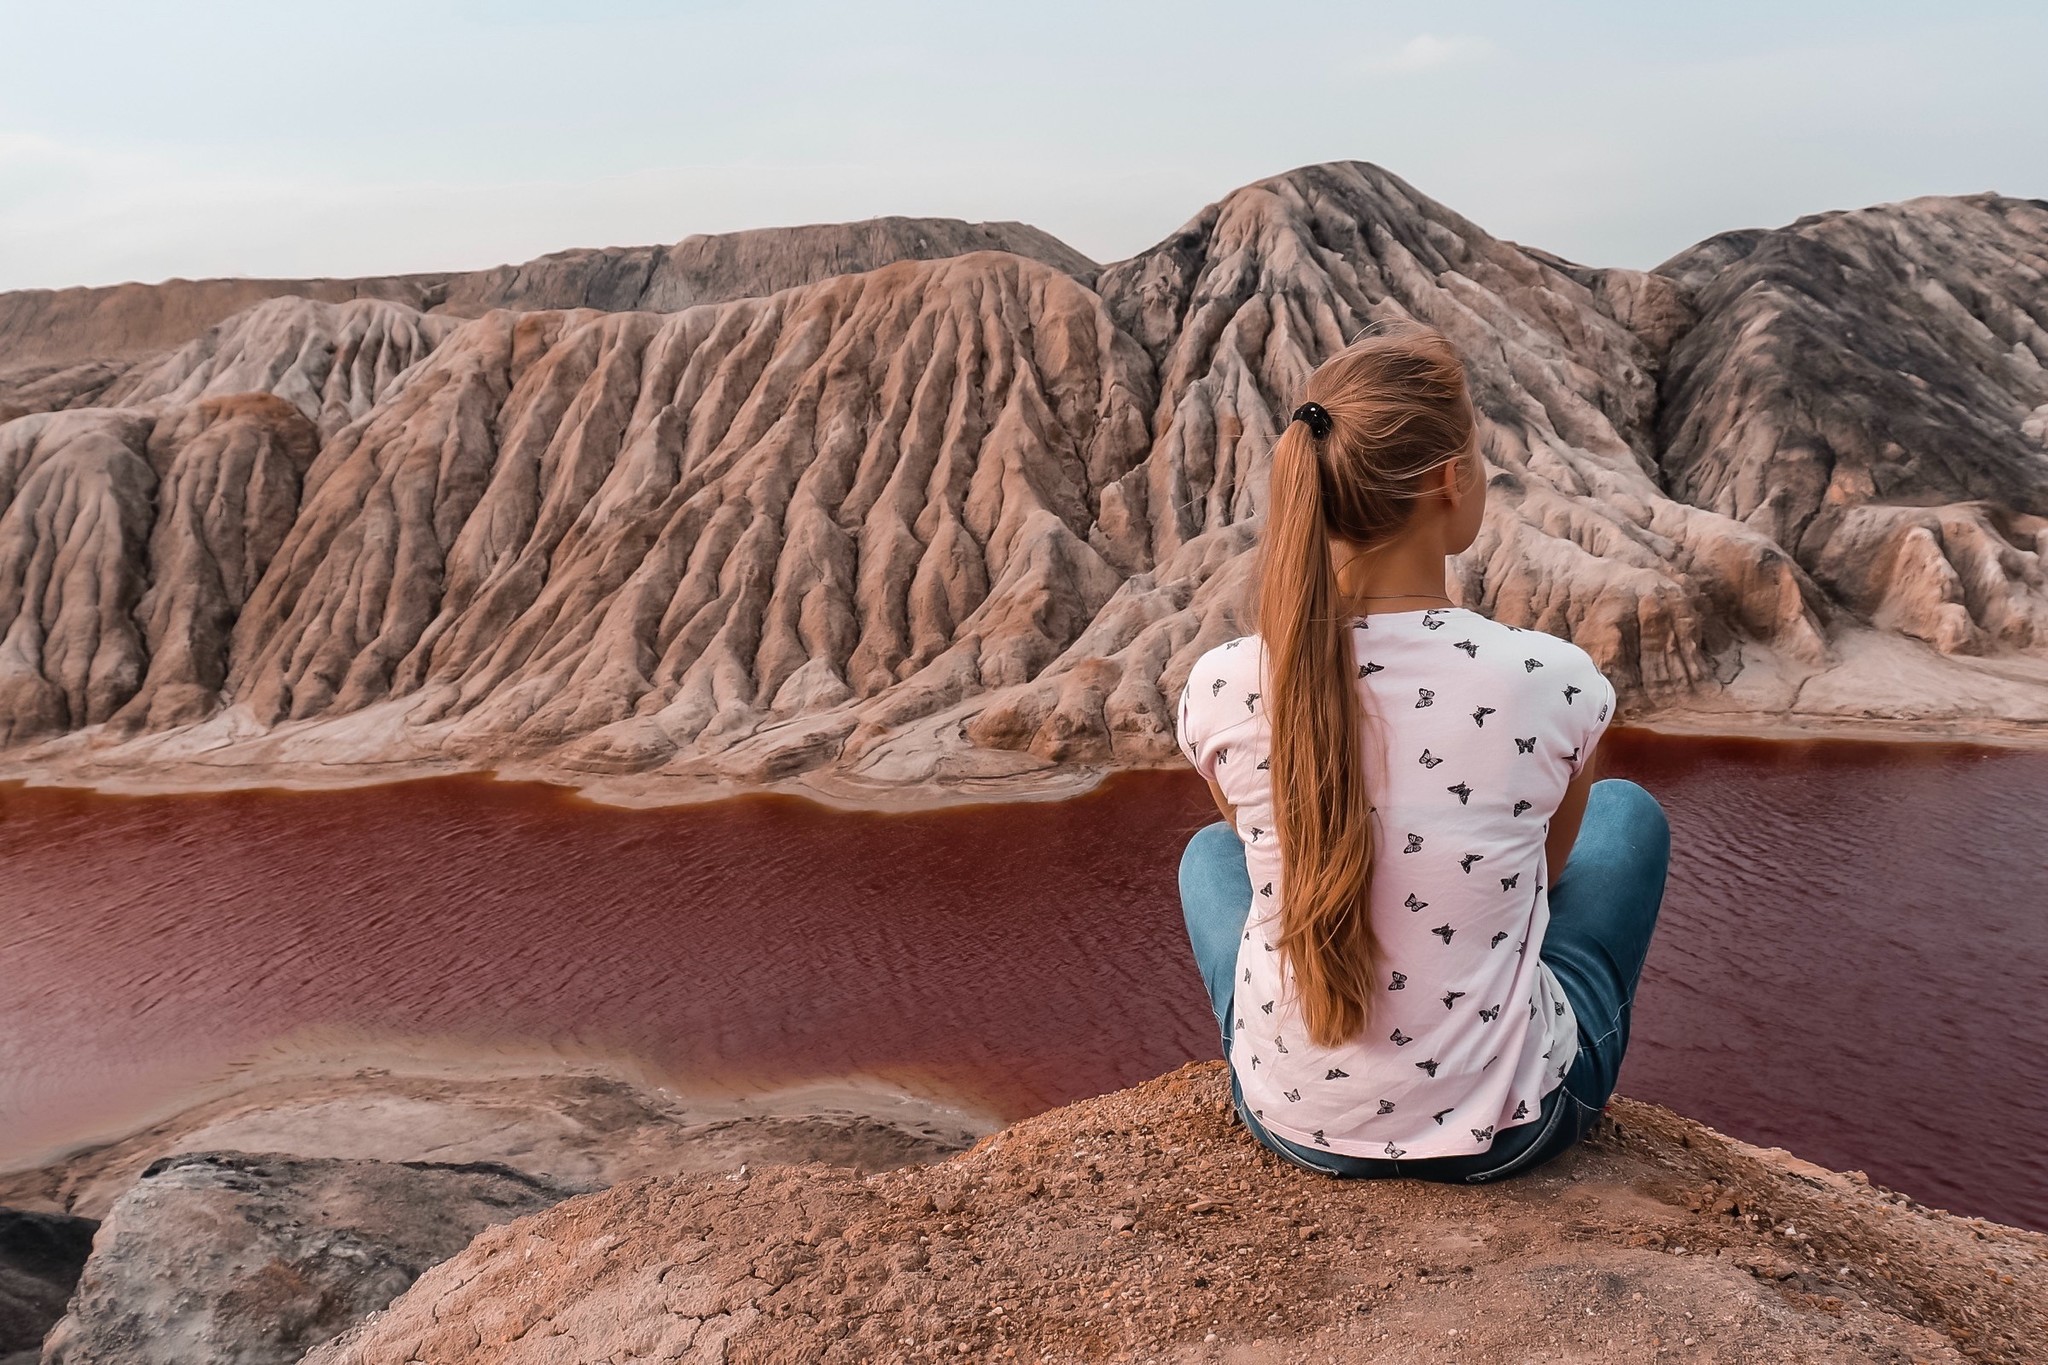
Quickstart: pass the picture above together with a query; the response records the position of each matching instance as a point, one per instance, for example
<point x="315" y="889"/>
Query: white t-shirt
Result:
<point x="1472" y="731"/>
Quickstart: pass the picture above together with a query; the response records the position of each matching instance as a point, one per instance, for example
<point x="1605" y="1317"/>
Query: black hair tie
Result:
<point x="1318" y="420"/>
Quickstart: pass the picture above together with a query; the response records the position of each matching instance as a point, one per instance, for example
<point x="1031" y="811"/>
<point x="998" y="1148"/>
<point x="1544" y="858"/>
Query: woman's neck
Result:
<point x="1394" y="577"/>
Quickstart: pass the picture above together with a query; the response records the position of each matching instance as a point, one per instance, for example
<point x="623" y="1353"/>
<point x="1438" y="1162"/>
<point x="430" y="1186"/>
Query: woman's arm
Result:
<point x="1564" y="826"/>
<point x="1229" y="811"/>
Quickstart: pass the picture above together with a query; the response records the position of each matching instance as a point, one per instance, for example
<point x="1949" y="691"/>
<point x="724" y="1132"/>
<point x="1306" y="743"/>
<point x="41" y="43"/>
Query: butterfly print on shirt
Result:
<point x="1256" y="832"/>
<point x="1292" y="1094"/>
<point x="1430" y="1066"/>
<point x="1266" y="890"/>
<point x="1471" y="650"/>
<point x="1429" y="621"/>
<point x="1531" y="665"/>
<point x="1439" y="1114"/>
<point x="1521" y="806"/>
<point x="1428" y="759"/>
<point x="1570" y="692"/>
<point x="1280" y="1044"/>
<point x="1267" y="1008"/>
<point x="1484" y="1134"/>
<point x="1249" y="699"/>
<point x="1400" y="1040"/>
<point x="1462" y="792"/>
<point x="1386" y="1106"/>
<point x="1526" y="746"/>
<point x="1223" y="755"/>
<point x="1335" y="1073"/>
<point x="1469" y="859"/>
<point x="1400" y="982"/>
<point x="1444" y="929"/>
<point x="1263" y="765"/>
<point x="1367" y="670"/>
<point x="1508" y="883"/>
<point x="1521" y="1110"/>
<point x="1423" y="697"/>
<point x="1603" y="711"/>
<point x="1320" y="1138"/>
<point x="1215" y="687"/>
<point x="1573" y="759"/>
<point x="1560" y="1007"/>
<point x="1414" y="844"/>
<point x="1392" y="1150"/>
<point x="1450" y="996"/>
<point x="1479" y="716"/>
<point x="1497" y="938"/>
<point x="1489" y="1015"/>
<point x="1414" y="904"/>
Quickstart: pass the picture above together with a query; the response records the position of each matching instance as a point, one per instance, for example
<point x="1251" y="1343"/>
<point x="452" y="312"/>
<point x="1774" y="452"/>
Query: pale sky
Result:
<point x="148" y="140"/>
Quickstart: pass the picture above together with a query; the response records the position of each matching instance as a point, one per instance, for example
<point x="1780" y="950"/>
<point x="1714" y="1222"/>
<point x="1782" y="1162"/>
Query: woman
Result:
<point x="1421" y="920"/>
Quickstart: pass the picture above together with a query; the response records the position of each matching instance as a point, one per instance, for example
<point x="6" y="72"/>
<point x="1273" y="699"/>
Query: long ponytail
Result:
<point x="1398" y="407"/>
<point x="1322" y="811"/>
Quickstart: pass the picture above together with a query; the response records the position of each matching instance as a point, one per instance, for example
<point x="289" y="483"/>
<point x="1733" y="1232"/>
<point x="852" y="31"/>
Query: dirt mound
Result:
<point x="1147" y="1225"/>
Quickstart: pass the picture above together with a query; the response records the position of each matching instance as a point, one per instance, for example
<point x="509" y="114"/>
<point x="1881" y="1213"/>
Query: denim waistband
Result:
<point x="1509" y="1152"/>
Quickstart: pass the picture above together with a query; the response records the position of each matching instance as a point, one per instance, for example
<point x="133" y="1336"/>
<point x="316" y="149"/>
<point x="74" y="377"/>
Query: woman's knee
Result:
<point x="1212" y="849"/>
<point x="1636" y="810"/>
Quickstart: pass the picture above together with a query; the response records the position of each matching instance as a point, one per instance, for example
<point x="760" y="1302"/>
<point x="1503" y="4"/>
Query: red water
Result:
<point x="1850" y="960"/>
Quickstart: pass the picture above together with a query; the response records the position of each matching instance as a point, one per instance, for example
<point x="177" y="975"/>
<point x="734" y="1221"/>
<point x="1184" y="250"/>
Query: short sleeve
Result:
<point x="1183" y="736"/>
<point x="1193" y="728"/>
<point x="1599" y="716"/>
<point x="1209" y="720"/>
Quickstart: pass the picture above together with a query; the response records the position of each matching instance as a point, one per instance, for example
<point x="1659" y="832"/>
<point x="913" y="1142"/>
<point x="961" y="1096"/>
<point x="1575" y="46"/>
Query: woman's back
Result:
<point x="1472" y="731"/>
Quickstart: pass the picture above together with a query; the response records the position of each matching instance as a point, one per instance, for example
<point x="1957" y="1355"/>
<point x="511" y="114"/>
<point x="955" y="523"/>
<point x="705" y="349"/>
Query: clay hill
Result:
<point x="910" y="504"/>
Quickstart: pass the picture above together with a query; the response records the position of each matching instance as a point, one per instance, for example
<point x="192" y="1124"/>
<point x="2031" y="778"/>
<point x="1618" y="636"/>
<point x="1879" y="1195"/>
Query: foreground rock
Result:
<point x="1145" y="1225"/>
<point x="41" y="1256"/>
<point x="581" y="1131"/>
<point x="229" y="1258"/>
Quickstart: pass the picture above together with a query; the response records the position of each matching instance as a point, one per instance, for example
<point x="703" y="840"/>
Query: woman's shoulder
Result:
<point x="1549" y="673"/>
<point x="1534" y="648"/>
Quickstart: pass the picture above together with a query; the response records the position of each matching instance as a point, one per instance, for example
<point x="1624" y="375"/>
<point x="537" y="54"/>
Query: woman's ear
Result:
<point x="1450" y="481"/>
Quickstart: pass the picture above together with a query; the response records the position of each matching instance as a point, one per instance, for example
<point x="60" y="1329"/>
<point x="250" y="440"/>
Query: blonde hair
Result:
<point x="1398" y="408"/>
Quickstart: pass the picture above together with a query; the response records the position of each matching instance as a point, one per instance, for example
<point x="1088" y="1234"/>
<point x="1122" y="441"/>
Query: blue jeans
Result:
<point x="1603" y="908"/>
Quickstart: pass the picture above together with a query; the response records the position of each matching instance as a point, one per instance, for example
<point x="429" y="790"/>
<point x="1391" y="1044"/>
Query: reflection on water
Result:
<point x="1849" y="964"/>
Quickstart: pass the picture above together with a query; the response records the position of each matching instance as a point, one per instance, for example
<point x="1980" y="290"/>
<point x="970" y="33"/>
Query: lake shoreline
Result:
<point x="582" y="1119"/>
<point x="74" y="762"/>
